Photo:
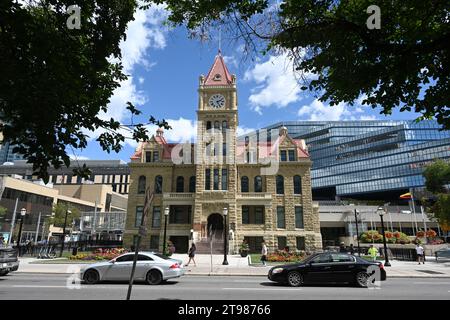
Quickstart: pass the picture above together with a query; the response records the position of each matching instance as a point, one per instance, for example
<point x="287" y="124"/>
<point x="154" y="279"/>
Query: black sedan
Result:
<point x="329" y="268"/>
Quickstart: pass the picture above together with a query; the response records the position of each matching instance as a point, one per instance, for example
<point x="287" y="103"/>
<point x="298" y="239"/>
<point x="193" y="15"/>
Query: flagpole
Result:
<point x="424" y="222"/>
<point x="414" y="209"/>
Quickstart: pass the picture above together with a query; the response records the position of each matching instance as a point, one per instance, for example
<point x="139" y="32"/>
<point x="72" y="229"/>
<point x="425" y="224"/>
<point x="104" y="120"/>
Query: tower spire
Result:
<point x="220" y="41"/>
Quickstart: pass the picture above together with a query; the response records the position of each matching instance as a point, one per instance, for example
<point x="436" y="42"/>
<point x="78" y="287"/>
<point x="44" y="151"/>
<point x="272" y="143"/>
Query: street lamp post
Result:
<point x="166" y="214"/>
<point x="357" y="232"/>
<point x="225" y="213"/>
<point x="381" y="212"/>
<point x="64" y="232"/>
<point x="23" y="212"/>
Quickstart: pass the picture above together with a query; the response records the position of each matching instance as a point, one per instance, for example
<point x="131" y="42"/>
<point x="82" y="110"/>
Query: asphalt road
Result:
<point x="53" y="286"/>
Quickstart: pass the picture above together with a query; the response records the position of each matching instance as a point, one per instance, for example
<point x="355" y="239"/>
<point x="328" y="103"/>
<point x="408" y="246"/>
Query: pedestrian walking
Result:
<point x="373" y="252"/>
<point x="420" y="253"/>
<point x="171" y="248"/>
<point x="264" y="253"/>
<point x="191" y="254"/>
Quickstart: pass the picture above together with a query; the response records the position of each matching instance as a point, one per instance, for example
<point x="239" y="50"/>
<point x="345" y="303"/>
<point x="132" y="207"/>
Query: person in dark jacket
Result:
<point x="191" y="254"/>
<point x="342" y="248"/>
<point x="351" y="250"/>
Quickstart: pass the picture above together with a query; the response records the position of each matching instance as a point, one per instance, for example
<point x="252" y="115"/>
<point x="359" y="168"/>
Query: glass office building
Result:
<point x="368" y="159"/>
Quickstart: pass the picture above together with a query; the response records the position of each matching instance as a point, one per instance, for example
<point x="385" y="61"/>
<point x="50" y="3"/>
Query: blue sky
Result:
<point x="164" y="66"/>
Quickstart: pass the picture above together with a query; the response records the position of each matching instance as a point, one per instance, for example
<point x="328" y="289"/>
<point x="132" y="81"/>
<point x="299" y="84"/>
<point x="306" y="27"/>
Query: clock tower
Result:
<point x="216" y="148"/>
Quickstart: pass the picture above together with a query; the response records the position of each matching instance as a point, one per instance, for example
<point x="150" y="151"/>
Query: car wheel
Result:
<point x="91" y="277"/>
<point x="154" y="277"/>
<point x="3" y="273"/>
<point x="295" y="279"/>
<point x="361" y="279"/>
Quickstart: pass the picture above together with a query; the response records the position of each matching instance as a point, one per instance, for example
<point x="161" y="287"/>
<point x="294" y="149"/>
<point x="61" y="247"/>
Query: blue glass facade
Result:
<point x="6" y="153"/>
<point x="366" y="158"/>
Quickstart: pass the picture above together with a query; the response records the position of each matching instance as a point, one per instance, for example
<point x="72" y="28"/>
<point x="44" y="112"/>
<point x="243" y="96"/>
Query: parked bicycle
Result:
<point x="47" y="252"/>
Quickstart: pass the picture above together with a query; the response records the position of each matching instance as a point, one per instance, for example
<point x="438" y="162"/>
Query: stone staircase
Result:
<point x="204" y="246"/>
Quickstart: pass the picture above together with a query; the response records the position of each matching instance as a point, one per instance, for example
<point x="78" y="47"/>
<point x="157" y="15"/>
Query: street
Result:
<point x="53" y="286"/>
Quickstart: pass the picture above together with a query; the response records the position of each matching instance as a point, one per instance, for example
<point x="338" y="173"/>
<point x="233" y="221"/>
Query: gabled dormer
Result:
<point x="290" y="150"/>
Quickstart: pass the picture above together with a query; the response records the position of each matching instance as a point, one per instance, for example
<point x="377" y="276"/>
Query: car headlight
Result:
<point x="277" y="270"/>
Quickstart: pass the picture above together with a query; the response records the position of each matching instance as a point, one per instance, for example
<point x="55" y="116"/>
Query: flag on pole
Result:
<point x="407" y="195"/>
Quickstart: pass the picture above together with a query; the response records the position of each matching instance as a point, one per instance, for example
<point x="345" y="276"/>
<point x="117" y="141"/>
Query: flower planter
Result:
<point x="244" y="254"/>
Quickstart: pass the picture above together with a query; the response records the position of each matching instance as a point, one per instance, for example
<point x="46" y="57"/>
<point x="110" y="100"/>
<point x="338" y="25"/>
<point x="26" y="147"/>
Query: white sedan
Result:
<point x="151" y="267"/>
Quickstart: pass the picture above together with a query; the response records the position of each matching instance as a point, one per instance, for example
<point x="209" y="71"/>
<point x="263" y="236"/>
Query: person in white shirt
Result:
<point x="264" y="253"/>
<point x="420" y="253"/>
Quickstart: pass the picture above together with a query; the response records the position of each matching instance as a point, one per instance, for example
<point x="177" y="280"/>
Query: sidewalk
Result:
<point x="238" y="266"/>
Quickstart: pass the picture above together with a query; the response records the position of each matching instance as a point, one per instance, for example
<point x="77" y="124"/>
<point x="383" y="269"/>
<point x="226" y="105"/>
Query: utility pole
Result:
<point x="64" y="232"/>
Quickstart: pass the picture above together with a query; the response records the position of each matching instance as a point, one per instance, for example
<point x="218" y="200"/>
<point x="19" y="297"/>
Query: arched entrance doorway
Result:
<point x="215" y="225"/>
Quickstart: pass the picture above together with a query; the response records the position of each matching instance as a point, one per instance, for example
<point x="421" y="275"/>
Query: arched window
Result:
<point x="141" y="184"/>
<point x="180" y="184"/>
<point x="158" y="184"/>
<point x="244" y="184"/>
<point x="224" y="125"/>
<point x="258" y="184"/>
<point x="192" y="184"/>
<point x="208" y="125"/>
<point x="280" y="185"/>
<point x="297" y="185"/>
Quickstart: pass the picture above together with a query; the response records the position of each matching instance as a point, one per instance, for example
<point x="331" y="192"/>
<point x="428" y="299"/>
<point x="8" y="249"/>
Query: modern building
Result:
<point x="368" y="159"/>
<point x="39" y="199"/>
<point x="219" y="187"/>
<point x="115" y="173"/>
<point x="337" y="221"/>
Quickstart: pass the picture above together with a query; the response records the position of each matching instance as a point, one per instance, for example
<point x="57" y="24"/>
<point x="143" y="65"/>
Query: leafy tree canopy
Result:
<point x="59" y="215"/>
<point x="404" y="64"/>
<point x="55" y="81"/>
<point x="437" y="176"/>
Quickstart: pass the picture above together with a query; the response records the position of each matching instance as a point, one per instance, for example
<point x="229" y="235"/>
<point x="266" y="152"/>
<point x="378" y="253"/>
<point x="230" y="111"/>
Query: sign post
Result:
<point x="142" y="232"/>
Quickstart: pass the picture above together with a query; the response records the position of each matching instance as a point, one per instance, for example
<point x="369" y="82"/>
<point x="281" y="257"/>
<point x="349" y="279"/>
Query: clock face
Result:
<point x="217" y="101"/>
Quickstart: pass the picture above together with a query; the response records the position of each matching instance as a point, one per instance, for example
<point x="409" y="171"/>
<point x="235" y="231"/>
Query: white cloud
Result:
<point x="367" y="118"/>
<point x="243" y="130"/>
<point x="144" y="33"/>
<point x="276" y="81"/>
<point x="230" y="61"/>
<point x="75" y="157"/>
<point x="182" y="130"/>
<point x="318" y="111"/>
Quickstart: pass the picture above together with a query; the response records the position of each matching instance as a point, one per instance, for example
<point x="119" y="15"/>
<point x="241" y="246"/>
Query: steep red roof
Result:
<point x="218" y="75"/>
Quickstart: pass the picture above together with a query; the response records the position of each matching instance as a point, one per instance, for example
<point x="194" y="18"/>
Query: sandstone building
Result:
<point x="264" y="183"/>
